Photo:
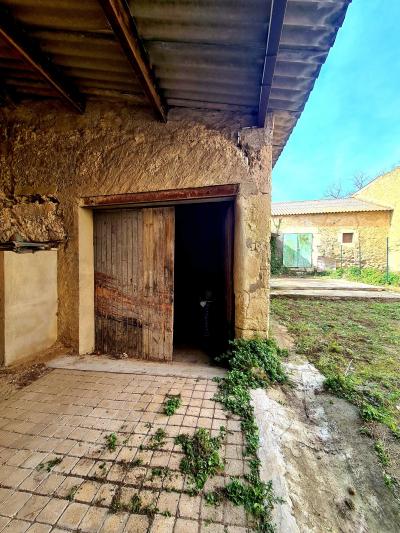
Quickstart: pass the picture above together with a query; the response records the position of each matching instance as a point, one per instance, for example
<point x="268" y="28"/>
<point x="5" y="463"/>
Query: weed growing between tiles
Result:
<point x="252" y="364"/>
<point x="111" y="442"/>
<point x="133" y="483"/>
<point x="172" y="403"/>
<point x="201" y="459"/>
<point x="49" y="465"/>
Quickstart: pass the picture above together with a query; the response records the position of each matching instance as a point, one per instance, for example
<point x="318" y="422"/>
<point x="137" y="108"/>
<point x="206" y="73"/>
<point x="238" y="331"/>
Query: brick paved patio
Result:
<point x="67" y="414"/>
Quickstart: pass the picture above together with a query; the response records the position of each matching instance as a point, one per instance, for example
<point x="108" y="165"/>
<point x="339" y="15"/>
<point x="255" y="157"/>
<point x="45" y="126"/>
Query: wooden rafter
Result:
<point x="26" y="47"/>
<point x="277" y="14"/>
<point x="124" y="27"/>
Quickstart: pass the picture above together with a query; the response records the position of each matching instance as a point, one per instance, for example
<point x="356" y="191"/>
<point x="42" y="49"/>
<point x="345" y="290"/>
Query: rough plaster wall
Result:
<point x="32" y="219"/>
<point x="370" y="232"/>
<point x="385" y="190"/>
<point x="119" y="149"/>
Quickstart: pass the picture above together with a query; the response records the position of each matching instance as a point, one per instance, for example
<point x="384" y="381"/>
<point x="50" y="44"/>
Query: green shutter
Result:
<point x="290" y="250"/>
<point x="297" y="250"/>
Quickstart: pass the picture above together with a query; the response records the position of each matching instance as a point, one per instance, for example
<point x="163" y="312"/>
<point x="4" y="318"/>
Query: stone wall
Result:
<point x="116" y="148"/>
<point x="368" y="249"/>
<point x="32" y="218"/>
<point x="385" y="190"/>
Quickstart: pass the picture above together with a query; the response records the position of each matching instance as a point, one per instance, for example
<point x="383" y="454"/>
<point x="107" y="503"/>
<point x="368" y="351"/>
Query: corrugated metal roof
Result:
<point x="206" y="55"/>
<point x="340" y="205"/>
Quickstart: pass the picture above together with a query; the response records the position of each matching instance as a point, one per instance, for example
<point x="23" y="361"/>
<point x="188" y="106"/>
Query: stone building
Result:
<point x="330" y="234"/>
<point x="385" y="190"/>
<point x="124" y="125"/>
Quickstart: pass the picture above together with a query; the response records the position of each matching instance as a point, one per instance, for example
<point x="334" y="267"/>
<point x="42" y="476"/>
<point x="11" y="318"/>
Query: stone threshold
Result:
<point x="102" y="363"/>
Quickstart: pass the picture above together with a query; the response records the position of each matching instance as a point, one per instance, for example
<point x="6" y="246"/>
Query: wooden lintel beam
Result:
<point x="209" y="192"/>
<point x="124" y="27"/>
<point x="28" y="48"/>
<point x="277" y="14"/>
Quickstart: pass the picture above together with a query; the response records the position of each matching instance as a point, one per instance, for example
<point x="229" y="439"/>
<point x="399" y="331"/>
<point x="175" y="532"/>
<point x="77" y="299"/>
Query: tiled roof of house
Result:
<point x="340" y="205"/>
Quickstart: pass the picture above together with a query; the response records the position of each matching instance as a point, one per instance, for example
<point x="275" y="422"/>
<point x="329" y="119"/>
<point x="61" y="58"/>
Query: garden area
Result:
<point x="356" y="346"/>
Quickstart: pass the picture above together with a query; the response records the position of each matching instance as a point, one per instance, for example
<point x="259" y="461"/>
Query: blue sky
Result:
<point x="351" y="122"/>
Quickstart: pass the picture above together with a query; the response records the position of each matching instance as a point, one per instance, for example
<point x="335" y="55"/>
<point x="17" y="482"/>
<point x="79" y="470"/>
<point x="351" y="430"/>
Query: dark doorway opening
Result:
<point x="203" y="282"/>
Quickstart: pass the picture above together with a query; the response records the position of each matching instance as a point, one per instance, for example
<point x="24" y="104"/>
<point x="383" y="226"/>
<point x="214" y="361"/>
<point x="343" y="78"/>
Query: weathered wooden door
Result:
<point x="134" y="277"/>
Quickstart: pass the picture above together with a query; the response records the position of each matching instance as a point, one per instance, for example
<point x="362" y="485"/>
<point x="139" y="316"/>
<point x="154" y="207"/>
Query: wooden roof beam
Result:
<point x="277" y="14"/>
<point x="19" y="40"/>
<point x="124" y="27"/>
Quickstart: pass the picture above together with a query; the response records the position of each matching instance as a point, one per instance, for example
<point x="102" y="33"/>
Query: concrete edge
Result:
<point x="95" y="363"/>
<point x="273" y="467"/>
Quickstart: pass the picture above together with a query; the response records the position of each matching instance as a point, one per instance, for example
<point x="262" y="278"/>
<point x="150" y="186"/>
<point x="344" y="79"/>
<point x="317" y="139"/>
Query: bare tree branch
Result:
<point x="335" y="190"/>
<point x="360" y="180"/>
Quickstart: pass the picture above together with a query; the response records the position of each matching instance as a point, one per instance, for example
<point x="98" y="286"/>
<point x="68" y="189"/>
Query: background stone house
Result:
<point x="329" y="234"/>
<point x="385" y="190"/>
<point x="123" y="125"/>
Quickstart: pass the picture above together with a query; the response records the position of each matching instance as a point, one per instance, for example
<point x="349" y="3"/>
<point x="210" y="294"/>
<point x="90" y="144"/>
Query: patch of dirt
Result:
<point x="334" y="479"/>
<point x="281" y="335"/>
<point x="21" y="375"/>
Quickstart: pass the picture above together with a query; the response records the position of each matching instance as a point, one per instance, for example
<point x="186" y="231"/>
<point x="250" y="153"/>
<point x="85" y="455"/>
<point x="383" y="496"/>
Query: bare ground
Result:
<point x="20" y="375"/>
<point x="334" y="481"/>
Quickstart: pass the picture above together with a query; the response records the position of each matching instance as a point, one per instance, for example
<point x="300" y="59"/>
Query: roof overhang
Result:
<point x="246" y="56"/>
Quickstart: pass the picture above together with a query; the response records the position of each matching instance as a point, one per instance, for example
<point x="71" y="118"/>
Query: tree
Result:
<point x="360" y="180"/>
<point x="335" y="190"/>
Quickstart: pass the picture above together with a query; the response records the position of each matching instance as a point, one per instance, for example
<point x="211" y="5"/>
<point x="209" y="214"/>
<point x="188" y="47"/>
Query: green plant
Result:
<point x="103" y="469"/>
<point x="214" y="497"/>
<point x="252" y="363"/>
<point x="158" y="439"/>
<point x="150" y="510"/>
<point x="111" y="442"/>
<point x="160" y="471"/>
<point x="382" y="453"/>
<point x="277" y="266"/>
<point x="71" y="493"/>
<point x="256" y="497"/>
<point x="201" y="456"/>
<point x="371" y="413"/>
<point x="135" y="504"/>
<point x="49" y="465"/>
<point x="172" y="403"/>
<point x="372" y="276"/>
<point x="389" y="481"/>
<point x="258" y="360"/>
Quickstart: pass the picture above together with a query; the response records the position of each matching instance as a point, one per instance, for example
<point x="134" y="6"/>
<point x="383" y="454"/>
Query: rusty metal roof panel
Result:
<point x="336" y="205"/>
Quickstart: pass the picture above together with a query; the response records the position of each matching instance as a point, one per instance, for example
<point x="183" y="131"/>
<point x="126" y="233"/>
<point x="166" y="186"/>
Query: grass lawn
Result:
<point x="356" y="345"/>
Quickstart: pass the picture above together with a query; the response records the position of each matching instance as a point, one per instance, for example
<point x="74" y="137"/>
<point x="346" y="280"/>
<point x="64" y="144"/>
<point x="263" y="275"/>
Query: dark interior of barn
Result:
<point x="202" y="266"/>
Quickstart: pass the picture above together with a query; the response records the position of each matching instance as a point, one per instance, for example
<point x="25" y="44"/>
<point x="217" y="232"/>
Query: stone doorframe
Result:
<point x="86" y="248"/>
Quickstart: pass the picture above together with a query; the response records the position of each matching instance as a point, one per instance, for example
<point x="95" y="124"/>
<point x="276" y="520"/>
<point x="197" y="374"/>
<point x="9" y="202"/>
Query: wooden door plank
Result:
<point x="134" y="282"/>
